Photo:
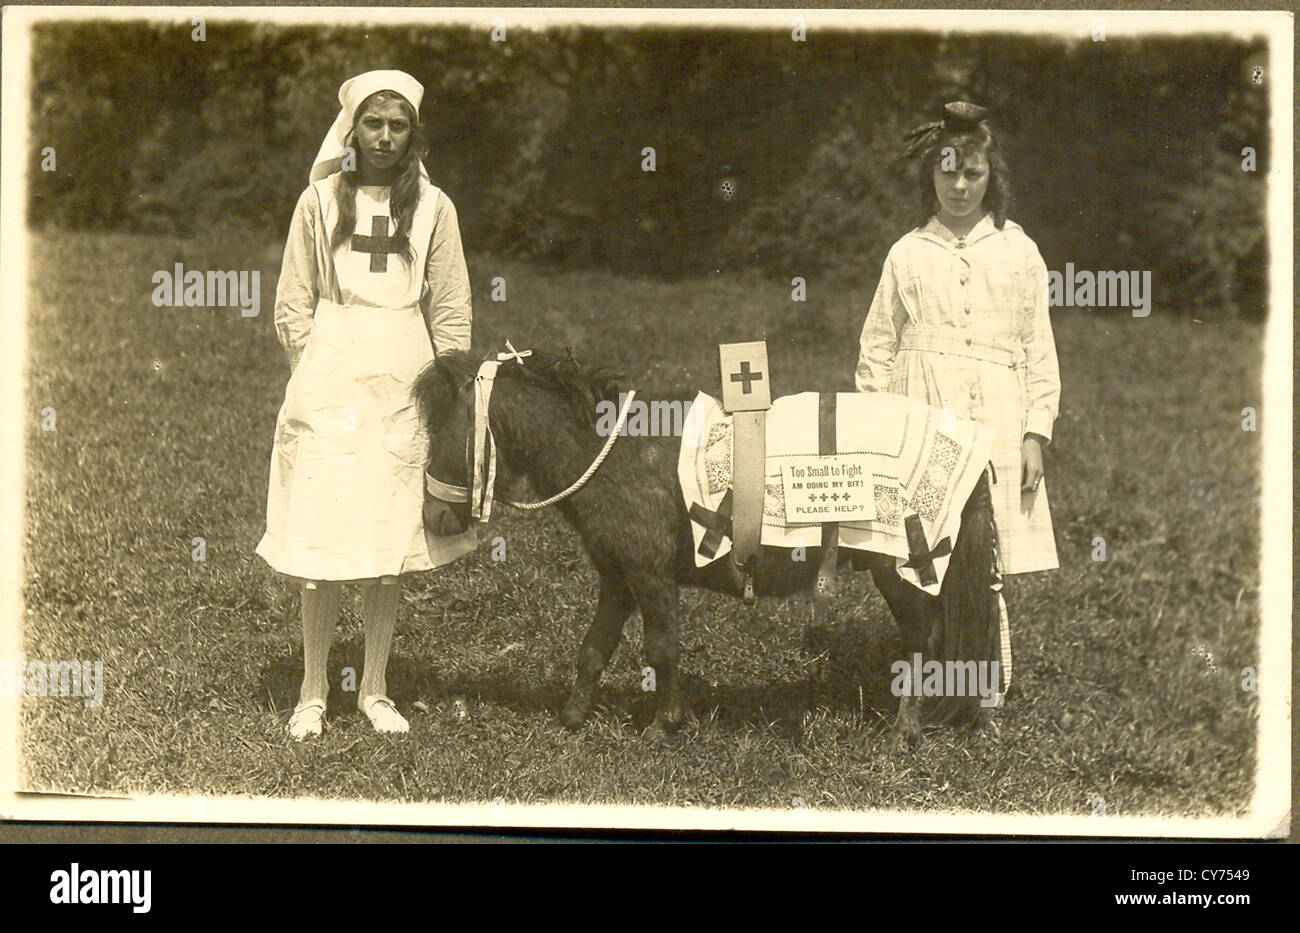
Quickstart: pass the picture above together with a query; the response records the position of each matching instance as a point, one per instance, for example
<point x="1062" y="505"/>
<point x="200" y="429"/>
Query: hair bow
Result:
<point x="958" y="116"/>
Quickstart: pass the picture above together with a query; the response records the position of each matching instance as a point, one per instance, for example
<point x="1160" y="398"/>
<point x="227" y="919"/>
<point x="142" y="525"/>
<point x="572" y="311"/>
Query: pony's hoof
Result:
<point x="903" y="740"/>
<point x="662" y="728"/>
<point x="985" y="723"/>
<point x="655" y="734"/>
<point x="572" y="719"/>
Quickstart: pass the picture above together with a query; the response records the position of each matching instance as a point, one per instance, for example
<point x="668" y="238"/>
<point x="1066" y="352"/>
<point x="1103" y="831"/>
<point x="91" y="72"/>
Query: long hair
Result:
<point x="405" y="195"/>
<point x="966" y="142"/>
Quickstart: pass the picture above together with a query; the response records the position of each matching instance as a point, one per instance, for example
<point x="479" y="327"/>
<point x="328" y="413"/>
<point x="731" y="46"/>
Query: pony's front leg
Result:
<point x="657" y="596"/>
<point x="613" y="607"/>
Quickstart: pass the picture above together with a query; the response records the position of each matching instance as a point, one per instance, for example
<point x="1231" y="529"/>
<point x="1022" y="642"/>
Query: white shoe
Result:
<point x="308" y="720"/>
<point x="383" y="714"/>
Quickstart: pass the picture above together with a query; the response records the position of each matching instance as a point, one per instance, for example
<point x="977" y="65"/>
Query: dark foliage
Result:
<point x="770" y="154"/>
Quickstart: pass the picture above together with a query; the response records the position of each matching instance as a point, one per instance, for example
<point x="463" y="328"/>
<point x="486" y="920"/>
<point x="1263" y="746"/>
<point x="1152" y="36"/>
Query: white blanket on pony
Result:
<point x="922" y="465"/>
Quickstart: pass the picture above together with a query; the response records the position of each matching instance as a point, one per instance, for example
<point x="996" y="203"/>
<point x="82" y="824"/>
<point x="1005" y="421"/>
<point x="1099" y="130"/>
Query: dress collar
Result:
<point x="935" y="230"/>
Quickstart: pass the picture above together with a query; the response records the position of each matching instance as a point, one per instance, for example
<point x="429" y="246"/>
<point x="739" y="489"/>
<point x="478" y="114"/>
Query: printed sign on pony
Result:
<point x="827" y="488"/>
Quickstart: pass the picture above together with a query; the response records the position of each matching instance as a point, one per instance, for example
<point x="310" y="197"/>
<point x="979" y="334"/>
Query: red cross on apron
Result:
<point x="379" y="244"/>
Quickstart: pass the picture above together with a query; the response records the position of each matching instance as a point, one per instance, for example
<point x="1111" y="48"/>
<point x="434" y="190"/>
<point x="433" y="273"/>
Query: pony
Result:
<point x="634" y="527"/>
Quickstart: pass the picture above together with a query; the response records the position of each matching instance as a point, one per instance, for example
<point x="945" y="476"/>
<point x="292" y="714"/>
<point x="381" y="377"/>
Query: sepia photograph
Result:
<point x="814" y="421"/>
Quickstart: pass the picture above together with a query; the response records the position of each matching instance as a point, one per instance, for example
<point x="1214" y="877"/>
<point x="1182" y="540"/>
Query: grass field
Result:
<point x="1127" y="671"/>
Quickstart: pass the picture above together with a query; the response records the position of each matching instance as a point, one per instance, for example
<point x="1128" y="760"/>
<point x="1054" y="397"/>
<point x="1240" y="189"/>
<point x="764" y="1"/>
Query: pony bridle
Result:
<point x="481" y="450"/>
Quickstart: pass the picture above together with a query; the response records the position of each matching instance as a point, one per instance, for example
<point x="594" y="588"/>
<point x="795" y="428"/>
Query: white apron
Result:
<point x="346" y="488"/>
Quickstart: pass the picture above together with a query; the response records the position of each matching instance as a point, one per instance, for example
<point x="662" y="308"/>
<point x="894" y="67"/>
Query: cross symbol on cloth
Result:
<point x="746" y="377"/>
<point x="379" y="244"/>
<point x="717" y="524"/>
<point x="921" y="558"/>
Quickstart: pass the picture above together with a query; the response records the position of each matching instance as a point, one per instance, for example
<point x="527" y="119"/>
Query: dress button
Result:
<point x="968" y="341"/>
<point x="961" y="242"/>
<point x="972" y="393"/>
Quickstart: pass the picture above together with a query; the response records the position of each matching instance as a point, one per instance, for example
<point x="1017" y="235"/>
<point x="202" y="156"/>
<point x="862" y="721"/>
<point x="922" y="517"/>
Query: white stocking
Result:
<point x="379" y="610"/>
<point x="320" y="612"/>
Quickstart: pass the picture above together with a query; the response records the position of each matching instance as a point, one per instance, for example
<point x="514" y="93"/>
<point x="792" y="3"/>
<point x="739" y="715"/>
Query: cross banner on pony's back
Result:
<point x="746" y="396"/>
<point x="871" y="471"/>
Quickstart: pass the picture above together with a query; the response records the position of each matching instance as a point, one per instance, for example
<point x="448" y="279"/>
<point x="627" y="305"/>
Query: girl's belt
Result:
<point x="957" y="341"/>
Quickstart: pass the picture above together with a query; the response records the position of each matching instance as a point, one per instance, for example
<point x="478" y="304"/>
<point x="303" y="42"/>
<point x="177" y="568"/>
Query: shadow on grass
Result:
<point x="846" y="674"/>
<point x="846" y="685"/>
<point x="734" y="707"/>
<point x="409" y="681"/>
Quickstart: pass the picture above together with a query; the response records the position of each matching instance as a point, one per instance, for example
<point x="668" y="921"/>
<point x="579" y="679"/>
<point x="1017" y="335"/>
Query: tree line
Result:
<point x="768" y="154"/>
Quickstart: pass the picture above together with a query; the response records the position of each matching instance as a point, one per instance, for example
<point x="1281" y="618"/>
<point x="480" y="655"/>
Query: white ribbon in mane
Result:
<point x="485" y="450"/>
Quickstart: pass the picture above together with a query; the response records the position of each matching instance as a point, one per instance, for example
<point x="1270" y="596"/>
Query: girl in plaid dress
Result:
<point x="960" y="321"/>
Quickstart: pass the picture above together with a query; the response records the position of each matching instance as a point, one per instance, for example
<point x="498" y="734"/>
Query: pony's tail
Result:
<point x="970" y="610"/>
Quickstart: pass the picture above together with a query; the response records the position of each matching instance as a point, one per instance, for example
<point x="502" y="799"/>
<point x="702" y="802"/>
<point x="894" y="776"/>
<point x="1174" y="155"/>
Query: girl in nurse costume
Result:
<point x="960" y="321"/>
<point x="373" y="285"/>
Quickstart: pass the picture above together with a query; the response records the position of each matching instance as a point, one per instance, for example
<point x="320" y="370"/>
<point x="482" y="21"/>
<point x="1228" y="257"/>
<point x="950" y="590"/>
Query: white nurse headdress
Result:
<point x="352" y="92"/>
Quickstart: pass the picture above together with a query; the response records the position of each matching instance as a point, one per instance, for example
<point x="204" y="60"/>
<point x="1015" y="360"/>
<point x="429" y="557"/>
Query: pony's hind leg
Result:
<point x="657" y="595"/>
<point x="919" y="616"/>
<point x="613" y="606"/>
